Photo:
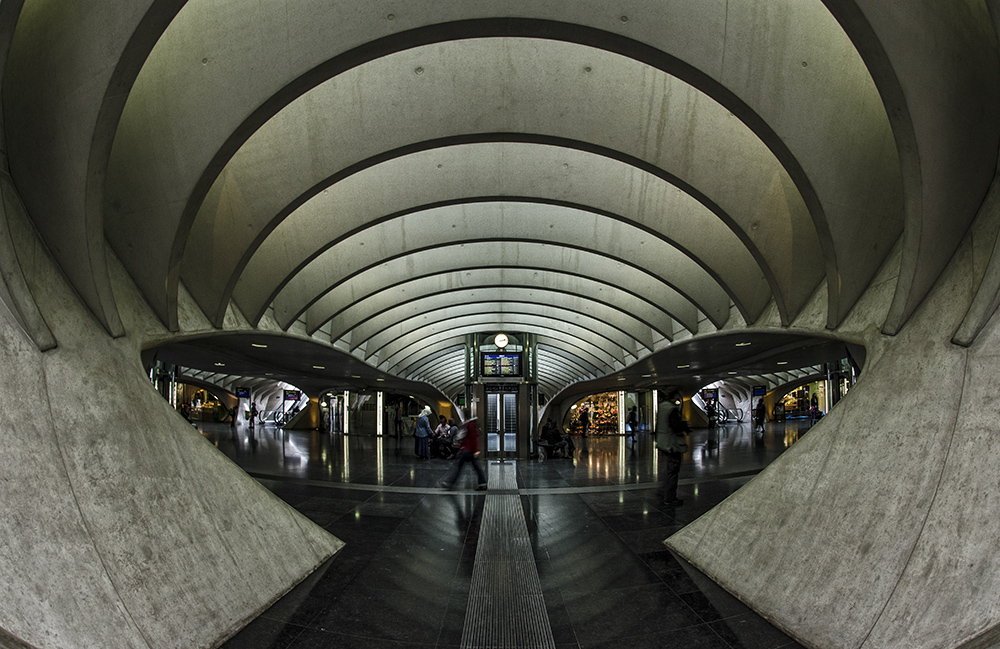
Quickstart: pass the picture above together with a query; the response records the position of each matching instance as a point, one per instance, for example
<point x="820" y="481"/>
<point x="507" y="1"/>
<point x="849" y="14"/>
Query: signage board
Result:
<point x="759" y="390"/>
<point x="242" y="393"/>
<point x="293" y="395"/>
<point x="501" y="365"/>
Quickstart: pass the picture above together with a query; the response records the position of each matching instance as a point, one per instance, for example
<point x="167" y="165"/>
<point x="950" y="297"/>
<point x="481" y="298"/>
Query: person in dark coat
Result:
<point x="671" y="441"/>
<point x="469" y="433"/>
<point x="422" y="433"/>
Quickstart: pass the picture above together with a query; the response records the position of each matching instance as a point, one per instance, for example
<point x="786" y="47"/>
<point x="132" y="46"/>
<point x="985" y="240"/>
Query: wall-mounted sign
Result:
<point x="242" y="393"/>
<point x="501" y="365"/>
<point x="293" y="395"/>
<point x="501" y="388"/>
<point x="710" y="394"/>
<point x="759" y="390"/>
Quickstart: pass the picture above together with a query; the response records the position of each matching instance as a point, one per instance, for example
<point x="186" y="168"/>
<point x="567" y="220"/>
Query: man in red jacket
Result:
<point x="469" y="434"/>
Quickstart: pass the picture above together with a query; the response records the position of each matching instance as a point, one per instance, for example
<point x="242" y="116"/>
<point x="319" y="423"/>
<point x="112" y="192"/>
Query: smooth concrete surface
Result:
<point x="780" y="39"/>
<point x="118" y="536"/>
<point x="518" y="171"/>
<point x="576" y="272"/>
<point x="888" y="531"/>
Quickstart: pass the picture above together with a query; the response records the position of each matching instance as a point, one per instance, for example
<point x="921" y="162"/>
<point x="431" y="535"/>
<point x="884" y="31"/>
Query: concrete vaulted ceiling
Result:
<point x="395" y="179"/>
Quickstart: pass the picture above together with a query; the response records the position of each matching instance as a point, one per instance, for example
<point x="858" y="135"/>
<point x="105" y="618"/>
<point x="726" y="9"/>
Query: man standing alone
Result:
<point x="671" y="440"/>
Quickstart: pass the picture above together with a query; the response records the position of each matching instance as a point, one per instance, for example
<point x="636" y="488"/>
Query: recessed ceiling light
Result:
<point x="732" y="372"/>
<point x="220" y="364"/>
<point x="258" y="345"/>
<point x="743" y="344"/>
<point x="681" y="367"/>
<point x="646" y="376"/>
<point x="621" y="378"/>
<point x="381" y="380"/>
<point x="318" y="367"/>
<point x="782" y="362"/>
<point x="353" y="376"/>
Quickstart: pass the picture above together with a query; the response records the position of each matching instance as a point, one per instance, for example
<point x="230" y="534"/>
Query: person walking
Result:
<point x="422" y="433"/>
<point x="469" y="434"/>
<point x="671" y="441"/>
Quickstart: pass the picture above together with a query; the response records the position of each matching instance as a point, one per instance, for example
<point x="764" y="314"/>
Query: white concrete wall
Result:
<point x="122" y="526"/>
<point x="878" y="529"/>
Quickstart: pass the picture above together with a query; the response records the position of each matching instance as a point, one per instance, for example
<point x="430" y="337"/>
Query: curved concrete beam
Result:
<point x="670" y="35"/>
<point x="567" y="232"/>
<point x="366" y="317"/>
<point x="62" y="81"/>
<point x="14" y="291"/>
<point x="516" y="263"/>
<point x="940" y="82"/>
<point x="560" y="318"/>
<point x="374" y="332"/>
<point x="582" y="350"/>
<point x="595" y="341"/>
<point x="516" y="172"/>
<point x="351" y="121"/>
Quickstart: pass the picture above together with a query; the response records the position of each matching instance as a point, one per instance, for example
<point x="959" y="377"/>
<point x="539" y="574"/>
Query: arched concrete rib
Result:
<point x="583" y="350"/>
<point x="597" y="342"/>
<point x="499" y="298"/>
<point x="566" y="231"/>
<point x="671" y="36"/>
<point x="565" y="362"/>
<point x="559" y="317"/>
<point x="512" y="263"/>
<point x="939" y="80"/>
<point x="352" y="120"/>
<point x="426" y="295"/>
<point x="68" y="69"/>
<point x="514" y="172"/>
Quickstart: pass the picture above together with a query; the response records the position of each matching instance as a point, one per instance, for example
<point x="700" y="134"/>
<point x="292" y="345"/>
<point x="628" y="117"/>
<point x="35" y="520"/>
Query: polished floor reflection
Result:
<point x="596" y="525"/>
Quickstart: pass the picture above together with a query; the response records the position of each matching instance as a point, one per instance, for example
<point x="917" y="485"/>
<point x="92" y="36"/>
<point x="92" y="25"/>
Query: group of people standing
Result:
<point x="449" y="441"/>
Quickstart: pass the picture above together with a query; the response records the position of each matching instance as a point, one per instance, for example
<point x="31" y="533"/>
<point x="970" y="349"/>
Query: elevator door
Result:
<point x="501" y="425"/>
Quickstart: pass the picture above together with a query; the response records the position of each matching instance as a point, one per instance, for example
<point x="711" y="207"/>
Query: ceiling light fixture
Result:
<point x="681" y="367"/>
<point x="743" y="344"/>
<point x="220" y="364"/>
<point x="318" y="367"/>
<point x="782" y="362"/>
<point x="258" y="345"/>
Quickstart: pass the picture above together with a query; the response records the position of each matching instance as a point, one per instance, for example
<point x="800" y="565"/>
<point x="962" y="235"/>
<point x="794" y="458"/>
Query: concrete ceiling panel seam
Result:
<point x="587" y="354"/>
<point x="716" y="154"/>
<point x="369" y="316"/>
<point x="504" y="301"/>
<point x="593" y="340"/>
<point x="697" y="66"/>
<point x="525" y="263"/>
<point x="555" y="324"/>
<point x="939" y="100"/>
<point x="370" y="249"/>
<point x="524" y="172"/>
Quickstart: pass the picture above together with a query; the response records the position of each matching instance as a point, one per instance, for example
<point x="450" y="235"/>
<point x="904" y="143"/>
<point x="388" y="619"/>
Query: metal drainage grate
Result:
<point x="506" y="607"/>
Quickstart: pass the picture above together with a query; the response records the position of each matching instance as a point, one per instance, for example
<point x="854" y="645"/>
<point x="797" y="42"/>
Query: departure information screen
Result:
<point x="501" y="365"/>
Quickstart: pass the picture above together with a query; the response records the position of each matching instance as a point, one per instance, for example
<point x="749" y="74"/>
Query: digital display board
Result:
<point x="710" y="394"/>
<point x="242" y="393"/>
<point x="293" y="395"/>
<point x="759" y="390"/>
<point x="501" y="365"/>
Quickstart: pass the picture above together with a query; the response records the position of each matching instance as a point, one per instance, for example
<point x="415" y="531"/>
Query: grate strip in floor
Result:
<point x="506" y="607"/>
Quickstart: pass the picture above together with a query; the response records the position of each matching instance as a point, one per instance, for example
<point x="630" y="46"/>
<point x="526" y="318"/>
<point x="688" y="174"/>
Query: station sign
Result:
<point x="759" y="390"/>
<point x="293" y="395"/>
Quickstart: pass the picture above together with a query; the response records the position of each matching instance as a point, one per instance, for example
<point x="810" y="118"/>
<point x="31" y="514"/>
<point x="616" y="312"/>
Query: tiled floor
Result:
<point x="596" y="524"/>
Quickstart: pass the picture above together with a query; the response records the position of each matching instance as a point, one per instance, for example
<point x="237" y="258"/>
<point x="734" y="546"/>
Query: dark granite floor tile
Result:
<point x="601" y="616"/>
<point x="698" y="637"/>
<point x="316" y="639"/>
<point x="749" y="631"/>
<point x="265" y="633"/>
<point x="365" y="611"/>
